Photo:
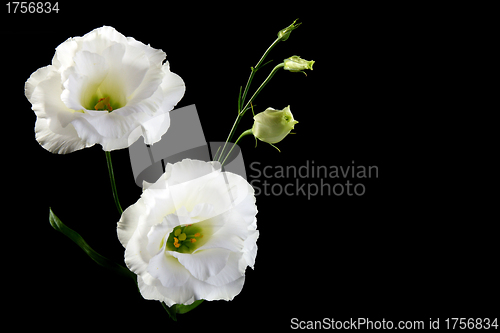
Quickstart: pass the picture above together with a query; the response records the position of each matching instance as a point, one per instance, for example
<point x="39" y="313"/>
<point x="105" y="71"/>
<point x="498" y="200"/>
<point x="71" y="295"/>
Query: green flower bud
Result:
<point x="297" y="64"/>
<point x="285" y="33"/>
<point x="272" y="125"/>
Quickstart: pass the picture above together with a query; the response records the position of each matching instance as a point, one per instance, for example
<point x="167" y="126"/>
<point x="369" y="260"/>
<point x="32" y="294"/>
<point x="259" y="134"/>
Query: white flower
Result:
<point x="102" y="88"/>
<point x="192" y="234"/>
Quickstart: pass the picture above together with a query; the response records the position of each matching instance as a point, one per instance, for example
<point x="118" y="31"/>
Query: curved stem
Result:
<point x="113" y="184"/>
<point x="242" y="113"/>
<point x="247" y="132"/>
<point x="254" y="69"/>
<point x="275" y="69"/>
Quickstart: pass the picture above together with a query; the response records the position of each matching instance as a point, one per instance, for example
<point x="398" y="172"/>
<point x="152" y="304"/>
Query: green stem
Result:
<point x="247" y="132"/>
<point x="113" y="184"/>
<point x="275" y="69"/>
<point x="256" y="68"/>
<point x="242" y="113"/>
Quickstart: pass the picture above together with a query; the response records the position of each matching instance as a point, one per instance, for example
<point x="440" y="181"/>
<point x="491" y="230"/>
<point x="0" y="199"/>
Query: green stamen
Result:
<point x="184" y="238"/>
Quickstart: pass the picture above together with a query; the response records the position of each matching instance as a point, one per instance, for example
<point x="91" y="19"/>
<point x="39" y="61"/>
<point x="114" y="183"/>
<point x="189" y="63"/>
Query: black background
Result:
<point x="414" y="246"/>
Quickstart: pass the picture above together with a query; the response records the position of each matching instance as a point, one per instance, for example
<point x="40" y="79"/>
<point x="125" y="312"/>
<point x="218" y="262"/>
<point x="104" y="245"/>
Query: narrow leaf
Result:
<point x="56" y="223"/>
<point x="263" y="65"/>
<point x="186" y="308"/>
<point x="170" y="310"/>
<point x="180" y="308"/>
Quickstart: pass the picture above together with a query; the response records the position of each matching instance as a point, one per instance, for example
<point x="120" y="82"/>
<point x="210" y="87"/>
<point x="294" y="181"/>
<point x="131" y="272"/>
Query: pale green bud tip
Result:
<point x="297" y="64"/>
<point x="272" y="125"/>
<point x="285" y="33"/>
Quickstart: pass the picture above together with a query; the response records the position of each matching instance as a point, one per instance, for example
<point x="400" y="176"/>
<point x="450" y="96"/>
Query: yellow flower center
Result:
<point x="183" y="238"/>
<point x="103" y="104"/>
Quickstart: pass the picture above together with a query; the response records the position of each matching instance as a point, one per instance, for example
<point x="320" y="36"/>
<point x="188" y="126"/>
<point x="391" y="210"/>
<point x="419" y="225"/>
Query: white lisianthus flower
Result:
<point x="102" y="88"/>
<point x="192" y="234"/>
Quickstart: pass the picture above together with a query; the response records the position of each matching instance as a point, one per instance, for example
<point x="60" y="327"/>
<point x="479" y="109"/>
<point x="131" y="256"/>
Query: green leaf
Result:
<point x="180" y="308"/>
<point x="263" y="65"/>
<point x="56" y="223"/>
<point x="186" y="308"/>
<point x="170" y="310"/>
<point x="239" y="101"/>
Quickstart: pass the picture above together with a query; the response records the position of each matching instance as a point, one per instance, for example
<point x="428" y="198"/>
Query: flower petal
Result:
<point x="191" y="291"/>
<point x="203" y="264"/>
<point x="157" y="236"/>
<point x="127" y="69"/>
<point x="63" y="58"/>
<point x="175" y="295"/>
<point x="201" y="212"/>
<point x="154" y="128"/>
<point x="173" y="88"/>
<point x="105" y="124"/>
<point x="100" y="39"/>
<point x="83" y="80"/>
<point x="168" y="270"/>
<point x="225" y="292"/>
<point x="35" y="78"/>
<point x="148" y="86"/>
<point x="136" y="256"/>
<point x="52" y="128"/>
<point x="129" y="221"/>
<point x="188" y="169"/>
<point x="229" y="273"/>
<point x="155" y="56"/>
<point x="249" y="251"/>
<point x="228" y="232"/>
<point x="88" y="133"/>
<point x="56" y="139"/>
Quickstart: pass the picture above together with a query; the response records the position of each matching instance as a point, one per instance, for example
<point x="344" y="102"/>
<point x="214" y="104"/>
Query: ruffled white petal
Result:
<point x="129" y="221"/>
<point x="188" y="170"/>
<point x="155" y="56"/>
<point x="191" y="291"/>
<point x="203" y="264"/>
<point x="157" y="236"/>
<point x="173" y="88"/>
<point x="63" y="58"/>
<point x="127" y="67"/>
<point x="38" y="76"/>
<point x="154" y="128"/>
<point x="249" y="251"/>
<point x="57" y="140"/>
<point x="168" y="270"/>
<point x="225" y="292"/>
<point x="52" y="130"/>
<point x="100" y="39"/>
<point x="83" y="80"/>
<point x="175" y="295"/>
<point x="230" y="273"/>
